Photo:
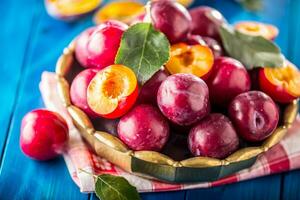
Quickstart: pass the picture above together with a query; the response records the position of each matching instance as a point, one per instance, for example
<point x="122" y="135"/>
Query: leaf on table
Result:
<point x="109" y="187"/>
<point x="144" y="50"/>
<point x="252" y="51"/>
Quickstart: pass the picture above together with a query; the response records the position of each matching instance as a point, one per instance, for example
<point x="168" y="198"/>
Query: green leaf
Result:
<point x="109" y="187"/>
<point x="252" y="51"/>
<point x="252" y="5"/>
<point x="144" y="50"/>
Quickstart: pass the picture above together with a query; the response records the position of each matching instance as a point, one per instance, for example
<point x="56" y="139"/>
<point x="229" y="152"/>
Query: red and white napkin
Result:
<point x="282" y="157"/>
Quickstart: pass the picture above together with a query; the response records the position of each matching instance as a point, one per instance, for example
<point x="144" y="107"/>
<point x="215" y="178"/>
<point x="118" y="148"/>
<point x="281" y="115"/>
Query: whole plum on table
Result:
<point x="43" y="134"/>
<point x="214" y="136"/>
<point x="144" y="128"/>
<point x="254" y="114"/>
<point x="183" y="99"/>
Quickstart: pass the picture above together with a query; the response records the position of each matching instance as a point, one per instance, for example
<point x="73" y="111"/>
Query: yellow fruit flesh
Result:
<point x="288" y="77"/>
<point x="109" y="86"/>
<point x="74" y="7"/>
<point x="122" y="11"/>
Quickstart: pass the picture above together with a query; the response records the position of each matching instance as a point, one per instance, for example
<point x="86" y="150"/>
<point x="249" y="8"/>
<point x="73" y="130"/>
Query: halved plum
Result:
<point x="113" y="91"/>
<point x="267" y="31"/>
<point x="70" y="9"/>
<point x="191" y="59"/>
<point x="116" y="11"/>
<point x="282" y="83"/>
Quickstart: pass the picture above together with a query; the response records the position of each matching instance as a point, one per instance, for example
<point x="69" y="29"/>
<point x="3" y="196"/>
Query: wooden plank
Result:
<point x="291" y="185"/>
<point x="21" y="177"/>
<point x="12" y="56"/>
<point x="178" y="195"/>
<point x="267" y="188"/>
<point x="294" y="31"/>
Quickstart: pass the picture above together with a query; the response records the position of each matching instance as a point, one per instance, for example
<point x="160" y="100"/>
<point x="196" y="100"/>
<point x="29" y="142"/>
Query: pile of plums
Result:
<point x="200" y="91"/>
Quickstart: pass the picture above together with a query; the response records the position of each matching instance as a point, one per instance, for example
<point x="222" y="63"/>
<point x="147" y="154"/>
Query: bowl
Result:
<point x="155" y="165"/>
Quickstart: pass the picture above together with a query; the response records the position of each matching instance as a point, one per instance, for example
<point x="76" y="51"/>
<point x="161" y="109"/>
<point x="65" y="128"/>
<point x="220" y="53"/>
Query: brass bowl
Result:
<point x="156" y="165"/>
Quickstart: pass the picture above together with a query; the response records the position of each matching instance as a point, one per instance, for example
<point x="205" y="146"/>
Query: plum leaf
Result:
<point x="252" y="5"/>
<point x="109" y="187"/>
<point x="144" y="50"/>
<point x="252" y="51"/>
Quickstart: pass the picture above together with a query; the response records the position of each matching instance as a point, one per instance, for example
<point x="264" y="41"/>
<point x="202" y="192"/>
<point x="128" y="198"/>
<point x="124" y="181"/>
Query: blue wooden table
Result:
<point x="31" y="41"/>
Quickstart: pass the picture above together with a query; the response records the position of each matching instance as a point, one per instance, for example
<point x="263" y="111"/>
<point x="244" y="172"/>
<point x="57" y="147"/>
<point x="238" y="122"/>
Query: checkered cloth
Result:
<point x="282" y="157"/>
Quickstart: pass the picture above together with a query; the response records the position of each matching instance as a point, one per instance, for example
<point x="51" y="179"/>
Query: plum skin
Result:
<point x="254" y="114"/>
<point x="183" y="99"/>
<point x="43" y="134"/>
<point x="213" y="44"/>
<point x="144" y="128"/>
<point x="214" y="136"/>
<point x="149" y="90"/>
<point x="228" y="79"/>
<point x="206" y="21"/>
<point x="171" y="18"/>
<point x="78" y="91"/>
<point x="97" y="47"/>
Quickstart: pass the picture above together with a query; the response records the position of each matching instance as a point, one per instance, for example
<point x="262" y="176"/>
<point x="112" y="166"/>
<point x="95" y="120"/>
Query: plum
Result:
<point x="183" y="99"/>
<point x="112" y="92"/>
<point x="254" y="28"/>
<point x="194" y="40"/>
<point x="206" y="21"/>
<point x="254" y="76"/>
<point x="78" y="91"/>
<point x="171" y="18"/>
<point x="213" y="44"/>
<point x="282" y="83"/>
<point x="43" y="134"/>
<point x="190" y="59"/>
<point x="71" y="9"/>
<point x="214" y="136"/>
<point x="227" y="79"/>
<point x="144" y="128"/>
<point x="97" y="47"/>
<point x="149" y="90"/>
<point x="81" y="49"/>
<point x="254" y="114"/>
